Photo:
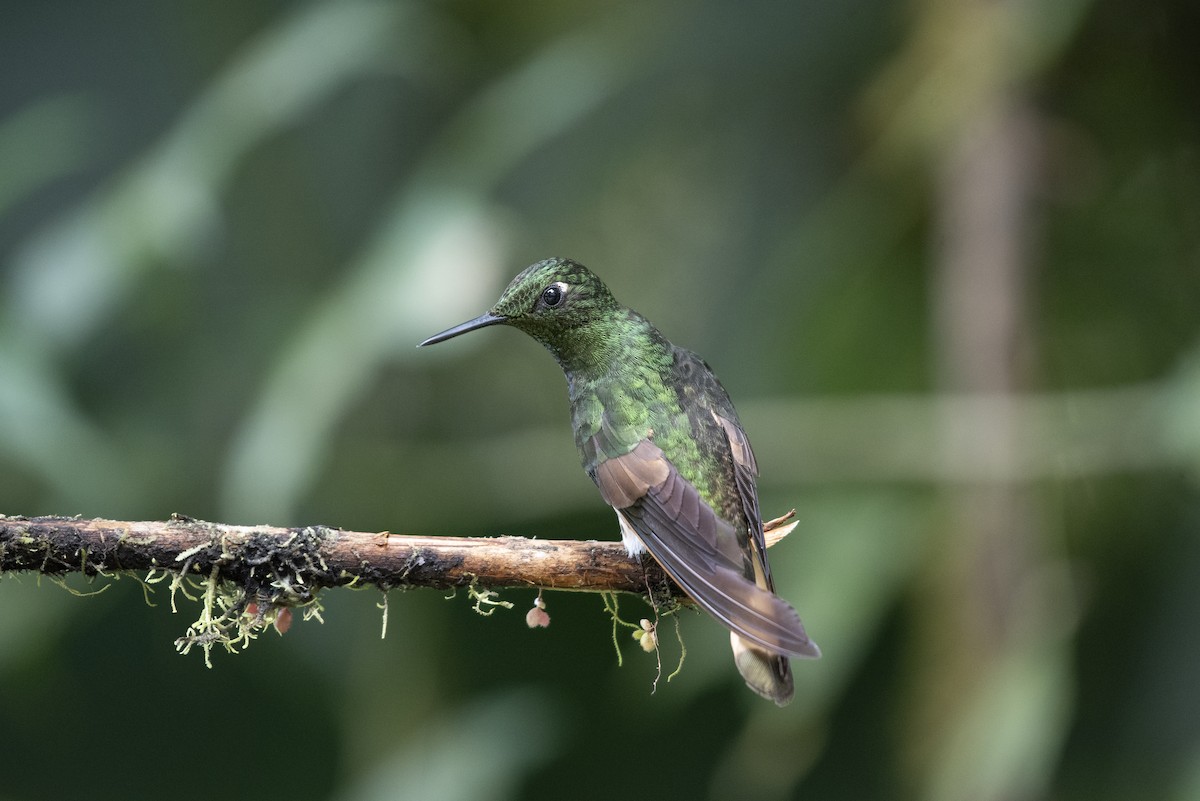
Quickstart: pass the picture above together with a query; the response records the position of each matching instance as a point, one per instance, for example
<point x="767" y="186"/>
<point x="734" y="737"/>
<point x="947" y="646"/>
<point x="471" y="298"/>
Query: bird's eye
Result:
<point x="553" y="295"/>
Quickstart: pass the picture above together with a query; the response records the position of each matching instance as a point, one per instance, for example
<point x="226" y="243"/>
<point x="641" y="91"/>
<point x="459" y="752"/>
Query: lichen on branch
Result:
<point x="247" y="578"/>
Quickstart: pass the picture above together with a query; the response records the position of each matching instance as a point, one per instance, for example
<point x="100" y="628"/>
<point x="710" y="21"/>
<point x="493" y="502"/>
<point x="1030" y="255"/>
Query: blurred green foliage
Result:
<point x="224" y="226"/>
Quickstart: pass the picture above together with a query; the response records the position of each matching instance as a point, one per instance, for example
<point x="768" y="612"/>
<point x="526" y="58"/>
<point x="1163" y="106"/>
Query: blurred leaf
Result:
<point x="49" y="138"/>
<point x="1181" y="402"/>
<point x="75" y="273"/>
<point x="71" y="276"/>
<point x="1005" y="743"/>
<point x="481" y="751"/>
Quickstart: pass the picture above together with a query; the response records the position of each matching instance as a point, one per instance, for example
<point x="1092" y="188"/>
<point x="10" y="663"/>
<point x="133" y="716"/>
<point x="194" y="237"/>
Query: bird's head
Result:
<point x="558" y="302"/>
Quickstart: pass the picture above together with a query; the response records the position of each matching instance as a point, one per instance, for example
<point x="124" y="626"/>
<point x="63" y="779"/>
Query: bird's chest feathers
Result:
<point x="614" y="415"/>
<point x="610" y="418"/>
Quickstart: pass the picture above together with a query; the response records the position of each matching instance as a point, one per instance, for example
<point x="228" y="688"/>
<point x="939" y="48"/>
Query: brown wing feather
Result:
<point x="626" y="478"/>
<point x="697" y="549"/>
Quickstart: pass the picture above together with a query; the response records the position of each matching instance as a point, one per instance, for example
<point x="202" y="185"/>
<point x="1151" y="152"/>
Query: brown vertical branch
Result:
<point x="978" y="582"/>
<point x="982" y="347"/>
<point x="968" y="105"/>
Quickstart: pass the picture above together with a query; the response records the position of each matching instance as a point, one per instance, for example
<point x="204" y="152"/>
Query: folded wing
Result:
<point x="698" y="549"/>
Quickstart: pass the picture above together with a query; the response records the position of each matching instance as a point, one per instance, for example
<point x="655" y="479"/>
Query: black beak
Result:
<point x="482" y="321"/>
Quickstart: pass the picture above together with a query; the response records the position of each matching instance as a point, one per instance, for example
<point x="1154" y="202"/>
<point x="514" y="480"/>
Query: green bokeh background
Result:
<point x="224" y="226"/>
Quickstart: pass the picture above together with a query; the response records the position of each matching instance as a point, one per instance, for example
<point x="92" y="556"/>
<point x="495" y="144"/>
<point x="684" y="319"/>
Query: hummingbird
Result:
<point x="659" y="436"/>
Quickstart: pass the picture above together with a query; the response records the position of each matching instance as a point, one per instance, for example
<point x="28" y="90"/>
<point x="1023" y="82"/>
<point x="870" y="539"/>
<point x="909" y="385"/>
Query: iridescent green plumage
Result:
<point x="658" y="434"/>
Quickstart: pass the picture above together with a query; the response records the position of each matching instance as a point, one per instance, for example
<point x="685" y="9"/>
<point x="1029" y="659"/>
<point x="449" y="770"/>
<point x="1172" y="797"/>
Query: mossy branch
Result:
<point x="302" y="561"/>
<point x="249" y="578"/>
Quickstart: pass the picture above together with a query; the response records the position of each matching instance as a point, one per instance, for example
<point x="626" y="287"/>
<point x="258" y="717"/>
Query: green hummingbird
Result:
<point x="658" y="434"/>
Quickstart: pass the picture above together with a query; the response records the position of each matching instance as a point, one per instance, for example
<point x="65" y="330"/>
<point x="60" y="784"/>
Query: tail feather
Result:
<point x="768" y="674"/>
